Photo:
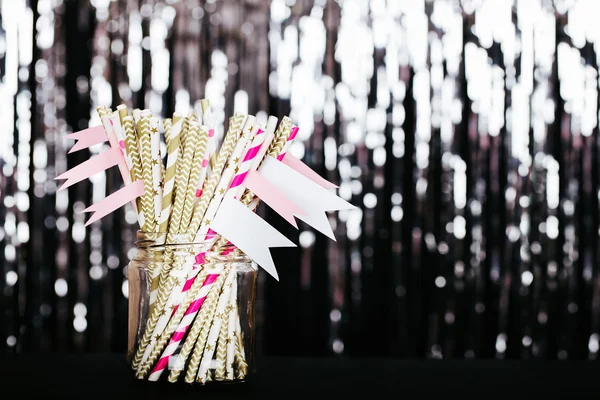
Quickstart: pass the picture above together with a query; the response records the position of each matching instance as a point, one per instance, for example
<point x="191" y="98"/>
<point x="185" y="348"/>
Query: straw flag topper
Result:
<point x="311" y="197"/>
<point x="249" y="233"/>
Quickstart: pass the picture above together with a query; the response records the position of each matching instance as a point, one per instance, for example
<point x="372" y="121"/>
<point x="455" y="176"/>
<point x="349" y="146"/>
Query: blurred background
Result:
<point x="466" y="133"/>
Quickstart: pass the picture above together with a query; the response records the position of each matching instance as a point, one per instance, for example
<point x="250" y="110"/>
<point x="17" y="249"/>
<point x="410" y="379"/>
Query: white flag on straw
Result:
<point x="250" y="233"/>
<point x="312" y="198"/>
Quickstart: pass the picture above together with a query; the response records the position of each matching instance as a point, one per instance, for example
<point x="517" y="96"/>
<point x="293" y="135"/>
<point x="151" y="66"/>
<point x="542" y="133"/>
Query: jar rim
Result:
<point x="159" y="239"/>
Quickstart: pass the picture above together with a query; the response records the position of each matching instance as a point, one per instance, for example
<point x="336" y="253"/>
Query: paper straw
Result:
<point x="205" y="163"/>
<point x="144" y="133"/>
<point x="240" y="357"/>
<point x="102" y="111"/>
<point x="157" y="167"/>
<point x="202" y="355"/>
<point x="114" y="143"/>
<point x="176" y="117"/>
<point x="224" y="333"/>
<point x="132" y="149"/>
<point x="169" y="180"/>
<point x="288" y="143"/>
<point x="230" y="341"/>
<point x="235" y="127"/>
<point x="120" y="135"/>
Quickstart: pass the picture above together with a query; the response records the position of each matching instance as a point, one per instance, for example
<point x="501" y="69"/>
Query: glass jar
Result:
<point x="191" y="311"/>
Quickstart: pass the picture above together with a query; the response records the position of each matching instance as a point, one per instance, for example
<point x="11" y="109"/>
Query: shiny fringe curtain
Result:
<point x="466" y="133"/>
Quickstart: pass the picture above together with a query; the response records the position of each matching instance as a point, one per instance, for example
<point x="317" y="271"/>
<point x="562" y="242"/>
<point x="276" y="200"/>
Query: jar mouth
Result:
<point x="155" y="240"/>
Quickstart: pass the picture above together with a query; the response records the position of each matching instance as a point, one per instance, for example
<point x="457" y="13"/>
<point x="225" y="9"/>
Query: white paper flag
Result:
<point x="308" y="195"/>
<point x="250" y="233"/>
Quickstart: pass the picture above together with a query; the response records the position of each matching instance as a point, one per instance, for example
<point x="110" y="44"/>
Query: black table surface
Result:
<point x="59" y="376"/>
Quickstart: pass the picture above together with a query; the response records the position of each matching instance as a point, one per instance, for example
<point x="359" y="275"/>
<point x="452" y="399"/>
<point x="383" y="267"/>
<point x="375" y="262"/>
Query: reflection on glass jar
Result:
<point x="191" y="311"/>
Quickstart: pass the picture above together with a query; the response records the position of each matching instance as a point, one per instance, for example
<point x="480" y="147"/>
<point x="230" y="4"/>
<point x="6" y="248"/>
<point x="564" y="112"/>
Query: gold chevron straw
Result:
<point x="102" y="111"/>
<point x="132" y="148"/>
<point x="146" y="150"/>
<point x="183" y="135"/>
<point x="233" y="133"/>
<point x="240" y="356"/>
<point x="196" y="168"/>
<point x="221" y="342"/>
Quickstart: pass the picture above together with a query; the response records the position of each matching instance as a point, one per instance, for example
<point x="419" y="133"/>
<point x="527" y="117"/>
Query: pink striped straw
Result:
<point x="182" y="328"/>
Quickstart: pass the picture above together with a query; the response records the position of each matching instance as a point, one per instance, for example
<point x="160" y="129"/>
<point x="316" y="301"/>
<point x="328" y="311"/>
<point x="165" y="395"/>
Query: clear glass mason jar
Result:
<point x="191" y="311"/>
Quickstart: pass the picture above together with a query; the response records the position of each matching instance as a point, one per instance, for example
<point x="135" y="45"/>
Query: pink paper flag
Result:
<point x="87" y="137"/>
<point x="91" y="167"/>
<point x="116" y="200"/>
<point x="268" y="193"/>
<point x="305" y="170"/>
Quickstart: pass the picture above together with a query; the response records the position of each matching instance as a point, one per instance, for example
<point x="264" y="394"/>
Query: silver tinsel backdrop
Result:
<point x="466" y="133"/>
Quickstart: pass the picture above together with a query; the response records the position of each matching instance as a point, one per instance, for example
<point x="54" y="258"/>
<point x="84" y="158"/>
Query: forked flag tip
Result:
<point x="250" y="233"/>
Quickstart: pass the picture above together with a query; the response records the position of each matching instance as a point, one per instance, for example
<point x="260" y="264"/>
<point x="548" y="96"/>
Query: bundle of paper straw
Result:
<point x="193" y="327"/>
